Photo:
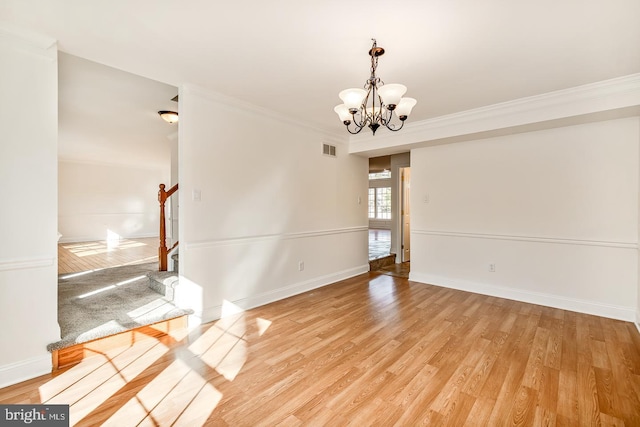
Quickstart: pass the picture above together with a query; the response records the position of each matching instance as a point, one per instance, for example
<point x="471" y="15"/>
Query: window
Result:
<point x="372" y="203"/>
<point x="380" y="175"/>
<point x="380" y="203"/>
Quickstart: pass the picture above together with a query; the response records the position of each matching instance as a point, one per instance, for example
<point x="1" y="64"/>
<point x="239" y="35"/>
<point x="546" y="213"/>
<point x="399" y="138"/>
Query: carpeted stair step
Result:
<point x="163" y="282"/>
<point x="108" y="301"/>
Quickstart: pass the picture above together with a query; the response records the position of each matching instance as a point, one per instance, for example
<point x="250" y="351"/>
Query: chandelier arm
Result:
<point x="358" y="129"/>
<point x="387" y="118"/>
<point x="359" y="123"/>
<point x="394" y="129"/>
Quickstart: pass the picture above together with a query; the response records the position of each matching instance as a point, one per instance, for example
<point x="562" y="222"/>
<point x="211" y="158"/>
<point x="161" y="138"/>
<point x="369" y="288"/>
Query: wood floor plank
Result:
<point x="548" y="389"/>
<point x="370" y="350"/>
<point x="86" y="256"/>
<point x="567" y="405"/>
<point x="480" y="413"/>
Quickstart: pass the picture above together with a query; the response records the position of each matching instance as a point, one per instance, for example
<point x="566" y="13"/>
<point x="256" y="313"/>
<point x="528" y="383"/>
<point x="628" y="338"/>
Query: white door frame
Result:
<point x="405" y="240"/>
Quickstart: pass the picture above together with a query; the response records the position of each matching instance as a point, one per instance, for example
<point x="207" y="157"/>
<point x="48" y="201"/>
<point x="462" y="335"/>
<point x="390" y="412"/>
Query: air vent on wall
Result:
<point x="329" y="150"/>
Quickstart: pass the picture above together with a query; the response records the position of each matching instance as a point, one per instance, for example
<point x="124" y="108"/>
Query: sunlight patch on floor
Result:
<point x="176" y="391"/>
<point x="82" y="273"/>
<point x="223" y="346"/>
<point x="96" y="248"/>
<point x="100" y="377"/>
<point x="168" y="396"/>
<point x="263" y="325"/>
<point x="113" y="239"/>
<point x="106" y="288"/>
<point x="182" y="395"/>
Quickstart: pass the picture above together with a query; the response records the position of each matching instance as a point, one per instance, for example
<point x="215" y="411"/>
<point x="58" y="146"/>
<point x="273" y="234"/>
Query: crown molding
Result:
<point x="586" y="100"/>
<point x="234" y="104"/>
<point x="29" y="42"/>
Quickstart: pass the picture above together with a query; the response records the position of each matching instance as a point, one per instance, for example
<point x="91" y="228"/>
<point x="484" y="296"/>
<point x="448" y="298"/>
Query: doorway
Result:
<point x="405" y="214"/>
<point x="389" y="213"/>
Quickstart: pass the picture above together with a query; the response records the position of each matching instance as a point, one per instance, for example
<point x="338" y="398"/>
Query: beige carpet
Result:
<point x="100" y="303"/>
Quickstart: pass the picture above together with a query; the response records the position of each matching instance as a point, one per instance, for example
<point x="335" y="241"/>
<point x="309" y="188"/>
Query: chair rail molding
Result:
<point x="269" y="237"/>
<point x="523" y="238"/>
<point x="26" y="263"/>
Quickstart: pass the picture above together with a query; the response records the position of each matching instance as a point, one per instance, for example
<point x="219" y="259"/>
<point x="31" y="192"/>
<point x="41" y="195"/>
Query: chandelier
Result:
<point x="374" y="105"/>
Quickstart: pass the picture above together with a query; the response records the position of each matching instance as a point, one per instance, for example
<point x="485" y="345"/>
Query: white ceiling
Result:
<point x="110" y="116"/>
<point x="295" y="56"/>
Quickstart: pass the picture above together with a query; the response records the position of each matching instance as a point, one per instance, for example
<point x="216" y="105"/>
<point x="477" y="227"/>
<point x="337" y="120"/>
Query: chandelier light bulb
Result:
<point x="343" y="113"/>
<point x="391" y="94"/>
<point x="353" y="98"/>
<point x="404" y="108"/>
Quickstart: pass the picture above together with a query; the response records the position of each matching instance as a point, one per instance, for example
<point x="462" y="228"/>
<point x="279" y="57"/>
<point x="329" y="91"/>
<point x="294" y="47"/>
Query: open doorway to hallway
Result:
<point x="379" y="243"/>
<point x="389" y="214"/>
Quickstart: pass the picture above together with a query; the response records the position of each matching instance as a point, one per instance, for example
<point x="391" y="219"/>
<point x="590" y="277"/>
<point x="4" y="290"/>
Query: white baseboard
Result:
<point x="549" y="300"/>
<point x="23" y="370"/>
<point x="637" y="326"/>
<point x="210" y="314"/>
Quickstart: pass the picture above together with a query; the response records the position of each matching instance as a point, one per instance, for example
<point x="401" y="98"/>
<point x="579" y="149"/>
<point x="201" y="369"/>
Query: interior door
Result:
<point x="406" y="214"/>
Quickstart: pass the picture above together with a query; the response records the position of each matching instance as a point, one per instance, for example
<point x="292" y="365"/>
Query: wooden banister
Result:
<point x="163" y="251"/>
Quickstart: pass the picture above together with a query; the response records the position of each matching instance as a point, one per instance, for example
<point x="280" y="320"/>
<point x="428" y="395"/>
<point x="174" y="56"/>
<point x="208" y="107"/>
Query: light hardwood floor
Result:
<point x="85" y="256"/>
<point x="371" y="350"/>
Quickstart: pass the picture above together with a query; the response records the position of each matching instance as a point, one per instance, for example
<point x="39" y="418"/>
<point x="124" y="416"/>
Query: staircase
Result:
<point x="165" y="282"/>
<point x="162" y="282"/>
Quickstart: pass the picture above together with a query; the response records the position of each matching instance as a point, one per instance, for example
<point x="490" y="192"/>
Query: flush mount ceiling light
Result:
<point x="169" y="116"/>
<point x="374" y="105"/>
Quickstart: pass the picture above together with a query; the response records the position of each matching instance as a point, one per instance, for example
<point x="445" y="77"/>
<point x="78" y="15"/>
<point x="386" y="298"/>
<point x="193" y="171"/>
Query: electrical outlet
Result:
<point x="300" y="265"/>
<point x="492" y="268"/>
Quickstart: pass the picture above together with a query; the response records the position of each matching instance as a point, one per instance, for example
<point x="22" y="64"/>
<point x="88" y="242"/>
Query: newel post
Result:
<point x="162" y="250"/>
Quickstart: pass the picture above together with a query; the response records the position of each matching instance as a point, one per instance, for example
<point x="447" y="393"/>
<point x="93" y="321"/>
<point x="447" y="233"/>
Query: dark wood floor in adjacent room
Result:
<point x="374" y="349"/>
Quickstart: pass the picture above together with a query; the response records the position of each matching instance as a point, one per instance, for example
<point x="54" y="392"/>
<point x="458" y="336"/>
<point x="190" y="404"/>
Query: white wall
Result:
<point x="28" y="190"/>
<point x="94" y="199"/>
<point x="556" y="211"/>
<point x="269" y="200"/>
<point x="174" y="211"/>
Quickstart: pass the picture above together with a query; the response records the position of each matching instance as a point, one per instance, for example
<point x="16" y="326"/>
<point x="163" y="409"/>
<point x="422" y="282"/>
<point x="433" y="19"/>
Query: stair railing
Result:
<point x="163" y="251"/>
